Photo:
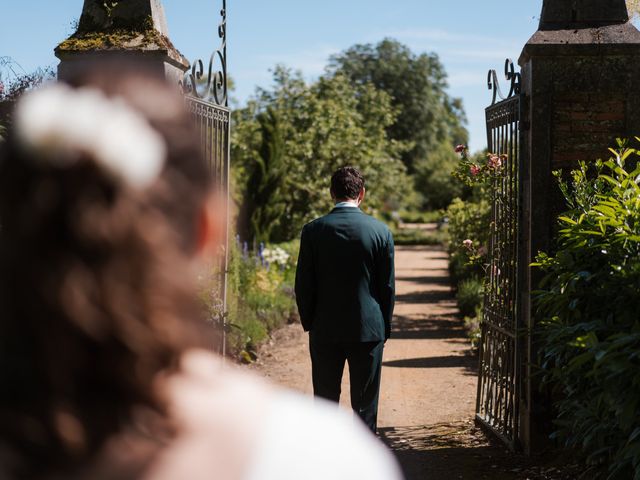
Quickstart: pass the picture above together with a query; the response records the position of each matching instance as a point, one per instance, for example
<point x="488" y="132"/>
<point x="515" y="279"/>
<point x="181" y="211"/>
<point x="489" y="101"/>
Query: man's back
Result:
<point x="345" y="280"/>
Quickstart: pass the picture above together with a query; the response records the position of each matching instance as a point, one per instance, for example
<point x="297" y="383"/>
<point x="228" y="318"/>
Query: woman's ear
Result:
<point x="211" y="226"/>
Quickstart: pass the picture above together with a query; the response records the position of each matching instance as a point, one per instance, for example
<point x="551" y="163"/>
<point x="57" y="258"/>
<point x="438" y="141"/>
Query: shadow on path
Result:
<point x="443" y="451"/>
<point x="468" y="362"/>
<point x="460" y="450"/>
<point x="427" y="280"/>
<point x="440" y="327"/>
<point x="429" y="297"/>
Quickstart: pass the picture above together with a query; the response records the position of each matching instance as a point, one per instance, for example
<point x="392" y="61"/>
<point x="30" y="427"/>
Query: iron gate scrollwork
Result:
<point x="499" y="373"/>
<point x="207" y="100"/>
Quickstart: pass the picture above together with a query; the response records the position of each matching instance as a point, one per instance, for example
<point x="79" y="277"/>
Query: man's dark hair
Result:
<point x="347" y="182"/>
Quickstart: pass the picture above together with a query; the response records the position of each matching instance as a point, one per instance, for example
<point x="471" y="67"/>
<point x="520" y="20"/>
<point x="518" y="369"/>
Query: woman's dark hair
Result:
<point x="95" y="290"/>
<point x="347" y="183"/>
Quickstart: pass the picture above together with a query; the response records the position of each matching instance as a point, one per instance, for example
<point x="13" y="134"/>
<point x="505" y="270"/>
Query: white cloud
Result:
<point x="482" y="54"/>
<point x="465" y="78"/>
<point x="455" y="46"/>
<point x="311" y="62"/>
<point x="441" y="35"/>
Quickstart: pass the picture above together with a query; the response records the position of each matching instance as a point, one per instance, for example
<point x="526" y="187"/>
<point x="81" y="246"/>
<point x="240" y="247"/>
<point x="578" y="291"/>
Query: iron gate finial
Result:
<point x="510" y="75"/>
<point x="216" y="89"/>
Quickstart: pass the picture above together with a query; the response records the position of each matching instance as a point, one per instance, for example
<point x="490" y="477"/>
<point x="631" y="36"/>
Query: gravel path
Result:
<point x="428" y="381"/>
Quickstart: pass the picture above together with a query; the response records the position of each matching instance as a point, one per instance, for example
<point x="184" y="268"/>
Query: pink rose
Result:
<point x="475" y="170"/>
<point x="495" y="162"/>
<point x="468" y="244"/>
<point x="460" y="148"/>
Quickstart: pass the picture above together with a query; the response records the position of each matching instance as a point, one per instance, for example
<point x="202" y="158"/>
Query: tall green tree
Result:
<point x="263" y="202"/>
<point x="428" y="117"/>
<point x="324" y="125"/>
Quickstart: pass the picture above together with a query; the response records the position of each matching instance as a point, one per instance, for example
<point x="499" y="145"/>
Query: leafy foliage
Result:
<point x="428" y="119"/>
<point x="469" y="221"/>
<point x="587" y="309"/>
<point x="14" y="81"/>
<point x="260" y="295"/>
<point x="469" y="227"/>
<point x="469" y="295"/>
<point x="325" y="125"/>
<point x="433" y="177"/>
<point x="406" y="236"/>
<point x="262" y="204"/>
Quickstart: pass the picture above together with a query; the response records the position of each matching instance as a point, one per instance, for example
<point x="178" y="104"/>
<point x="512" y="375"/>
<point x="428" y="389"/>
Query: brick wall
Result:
<point x="584" y="126"/>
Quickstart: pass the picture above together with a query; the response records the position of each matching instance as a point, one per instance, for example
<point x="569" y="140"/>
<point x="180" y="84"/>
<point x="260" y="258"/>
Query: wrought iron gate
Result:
<point x="497" y="404"/>
<point x="207" y="100"/>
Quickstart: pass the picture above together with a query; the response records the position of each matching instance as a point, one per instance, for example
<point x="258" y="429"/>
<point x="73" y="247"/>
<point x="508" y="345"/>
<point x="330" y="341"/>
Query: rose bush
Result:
<point x="469" y="222"/>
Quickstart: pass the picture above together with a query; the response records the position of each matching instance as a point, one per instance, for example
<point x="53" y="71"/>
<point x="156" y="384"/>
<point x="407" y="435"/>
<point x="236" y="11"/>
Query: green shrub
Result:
<point x="472" y="324"/>
<point x="260" y="294"/>
<point x="587" y="312"/>
<point x="413" y="216"/>
<point x="468" y="220"/>
<point x="419" y="237"/>
<point x="470" y="296"/>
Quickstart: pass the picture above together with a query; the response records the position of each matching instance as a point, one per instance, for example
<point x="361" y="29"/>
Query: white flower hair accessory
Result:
<point x="59" y="122"/>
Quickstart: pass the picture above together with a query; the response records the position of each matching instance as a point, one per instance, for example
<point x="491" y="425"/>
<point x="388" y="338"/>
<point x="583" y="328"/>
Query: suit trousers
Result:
<point x="365" y="366"/>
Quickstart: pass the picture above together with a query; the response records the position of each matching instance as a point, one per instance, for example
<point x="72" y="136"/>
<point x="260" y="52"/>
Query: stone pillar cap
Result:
<point x="122" y="26"/>
<point x="583" y="27"/>
<point x="576" y="14"/>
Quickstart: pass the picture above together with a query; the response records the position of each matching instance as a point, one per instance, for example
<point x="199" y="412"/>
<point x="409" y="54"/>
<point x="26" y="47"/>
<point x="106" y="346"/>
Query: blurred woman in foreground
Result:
<point x="106" y="211"/>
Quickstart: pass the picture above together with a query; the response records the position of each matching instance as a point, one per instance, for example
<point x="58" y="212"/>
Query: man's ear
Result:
<point x="211" y="226"/>
<point x="362" y="194"/>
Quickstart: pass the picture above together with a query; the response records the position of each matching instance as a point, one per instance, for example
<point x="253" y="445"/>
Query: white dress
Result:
<point x="234" y="426"/>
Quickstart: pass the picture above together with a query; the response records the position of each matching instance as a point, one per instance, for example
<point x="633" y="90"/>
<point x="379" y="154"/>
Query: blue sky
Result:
<point x="470" y="36"/>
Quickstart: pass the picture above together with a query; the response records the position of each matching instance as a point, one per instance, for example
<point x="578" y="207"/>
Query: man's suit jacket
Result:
<point x="345" y="280"/>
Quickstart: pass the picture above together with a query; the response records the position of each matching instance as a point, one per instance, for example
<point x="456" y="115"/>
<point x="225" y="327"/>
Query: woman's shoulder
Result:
<point x="216" y="410"/>
<point x="316" y="440"/>
<point x="234" y="425"/>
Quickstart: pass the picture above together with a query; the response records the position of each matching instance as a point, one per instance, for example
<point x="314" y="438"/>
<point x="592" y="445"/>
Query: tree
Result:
<point x="14" y="81"/>
<point x="427" y="116"/>
<point x="263" y="204"/>
<point x="434" y="173"/>
<point x="325" y="125"/>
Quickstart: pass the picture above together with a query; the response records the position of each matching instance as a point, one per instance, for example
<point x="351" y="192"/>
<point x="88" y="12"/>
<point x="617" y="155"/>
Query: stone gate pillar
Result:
<point x="581" y="85"/>
<point x="132" y="30"/>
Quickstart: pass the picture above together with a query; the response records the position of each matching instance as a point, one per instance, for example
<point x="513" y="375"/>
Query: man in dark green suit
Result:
<point x="345" y="291"/>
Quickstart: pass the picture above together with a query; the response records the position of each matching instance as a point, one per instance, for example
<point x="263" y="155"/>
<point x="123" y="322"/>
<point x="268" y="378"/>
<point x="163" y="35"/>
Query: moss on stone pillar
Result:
<point x="127" y="28"/>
